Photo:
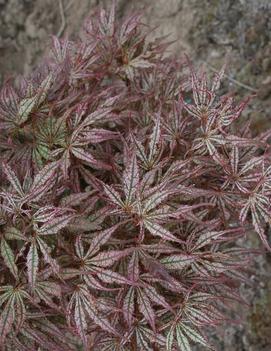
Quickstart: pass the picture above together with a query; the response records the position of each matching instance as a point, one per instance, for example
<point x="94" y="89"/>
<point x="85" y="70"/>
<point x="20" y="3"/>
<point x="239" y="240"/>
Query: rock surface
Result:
<point x="206" y="30"/>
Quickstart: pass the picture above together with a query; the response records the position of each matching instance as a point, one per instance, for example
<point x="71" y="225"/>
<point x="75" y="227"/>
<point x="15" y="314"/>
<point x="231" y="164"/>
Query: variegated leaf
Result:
<point x="182" y="340"/>
<point x="194" y="335"/>
<point x="26" y="106"/>
<point x="157" y="230"/>
<point x="145" y="307"/>
<point x="32" y="264"/>
<point x="7" y="318"/>
<point x="154" y="139"/>
<point x="80" y="318"/>
<point x="107" y="258"/>
<point x="131" y="179"/>
<point x="170" y="339"/>
<point x="12" y="178"/>
<point x="12" y="233"/>
<point x="113" y="195"/>
<point x="45" y="250"/>
<point x="55" y="225"/>
<point x="129" y="305"/>
<point x="43" y="181"/>
<point x="111" y="277"/>
<point x="100" y="239"/>
<point x="8" y="257"/>
<point x="178" y="261"/>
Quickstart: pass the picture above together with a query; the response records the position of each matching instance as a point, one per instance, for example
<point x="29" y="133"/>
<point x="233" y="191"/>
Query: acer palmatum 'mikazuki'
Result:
<point x="125" y="187"/>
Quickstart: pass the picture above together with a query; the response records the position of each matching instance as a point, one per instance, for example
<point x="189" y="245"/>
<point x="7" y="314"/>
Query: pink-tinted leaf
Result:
<point x="12" y="178"/>
<point x="55" y="225"/>
<point x="131" y="179"/>
<point x="157" y="230"/>
<point x="43" y="181"/>
<point x="113" y="195"/>
<point x="145" y="307"/>
<point x="107" y="258"/>
<point x="179" y="261"/>
<point x="129" y="305"/>
<point x="7" y="318"/>
<point x="8" y="257"/>
<point x="100" y="239"/>
<point x="32" y="264"/>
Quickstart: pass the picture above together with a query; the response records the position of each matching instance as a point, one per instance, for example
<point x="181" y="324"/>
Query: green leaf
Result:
<point x="170" y="339"/>
<point x="12" y="233"/>
<point x="182" y="340"/>
<point x="194" y="335"/>
<point x="26" y="106"/>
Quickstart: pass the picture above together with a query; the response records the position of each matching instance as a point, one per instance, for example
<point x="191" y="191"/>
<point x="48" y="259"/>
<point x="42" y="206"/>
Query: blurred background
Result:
<point x="204" y="29"/>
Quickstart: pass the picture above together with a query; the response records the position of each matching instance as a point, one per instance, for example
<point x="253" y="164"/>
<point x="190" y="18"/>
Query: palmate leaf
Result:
<point x="154" y="139"/>
<point x="42" y="182"/>
<point x="210" y="237"/>
<point x="32" y="264"/>
<point x="129" y="305"/>
<point x="29" y="104"/>
<point x="13" y="314"/>
<point x="84" y="306"/>
<point x="142" y="341"/>
<point x="185" y="334"/>
<point x="12" y="233"/>
<point x="182" y="340"/>
<point x="170" y="339"/>
<point x="7" y="318"/>
<point x="194" y="335"/>
<point x="113" y="195"/>
<point x="80" y="318"/>
<point x="107" y="258"/>
<point x="46" y="290"/>
<point x="179" y="261"/>
<point x="55" y="225"/>
<point x="145" y="307"/>
<point x="157" y="230"/>
<point x="131" y="179"/>
<point x="100" y="239"/>
<point x="156" y="298"/>
<point x="111" y="277"/>
<point x="8" y="257"/>
<point x="45" y="250"/>
<point x="12" y="178"/>
<point x="26" y="106"/>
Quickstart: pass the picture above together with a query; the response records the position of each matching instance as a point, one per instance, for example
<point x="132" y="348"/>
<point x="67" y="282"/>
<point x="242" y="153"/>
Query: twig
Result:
<point x="240" y="84"/>
<point x="63" y="19"/>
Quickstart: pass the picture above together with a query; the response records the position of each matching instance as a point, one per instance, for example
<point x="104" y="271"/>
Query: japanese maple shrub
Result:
<point x="125" y="186"/>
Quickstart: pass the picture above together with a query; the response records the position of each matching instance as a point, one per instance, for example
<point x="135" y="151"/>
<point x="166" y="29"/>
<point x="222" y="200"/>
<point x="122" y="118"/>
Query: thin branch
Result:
<point x="240" y="84"/>
<point x="63" y="19"/>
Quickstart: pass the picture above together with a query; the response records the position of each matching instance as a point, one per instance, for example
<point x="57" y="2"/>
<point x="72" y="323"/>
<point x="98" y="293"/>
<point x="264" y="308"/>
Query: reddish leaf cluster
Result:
<point x="125" y="186"/>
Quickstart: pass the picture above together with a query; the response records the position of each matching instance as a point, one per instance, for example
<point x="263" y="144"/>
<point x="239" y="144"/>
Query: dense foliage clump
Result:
<point x="125" y="186"/>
